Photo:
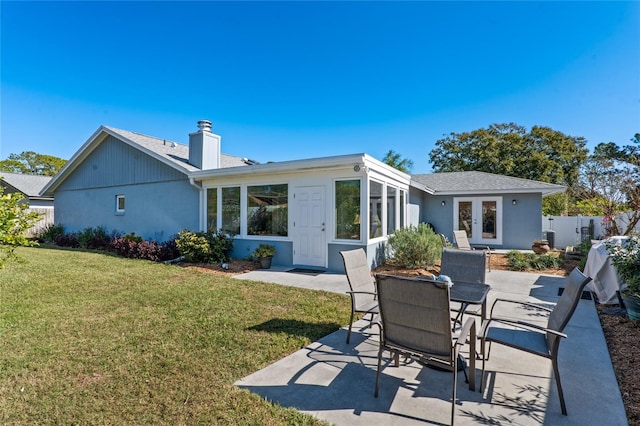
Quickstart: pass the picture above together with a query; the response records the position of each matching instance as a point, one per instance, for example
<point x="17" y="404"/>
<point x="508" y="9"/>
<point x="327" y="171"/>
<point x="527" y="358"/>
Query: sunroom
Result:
<point x="309" y="210"/>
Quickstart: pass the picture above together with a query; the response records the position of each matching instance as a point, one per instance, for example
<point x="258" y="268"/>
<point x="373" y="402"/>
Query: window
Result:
<point x="231" y="210"/>
<point x="119" y="203"/>
<point x="348" y="210"/>
<point x="391" y="210"/>
<point x="212" y="209"/>
<point x="268" y="210"/>
<point x="375" y="209"/>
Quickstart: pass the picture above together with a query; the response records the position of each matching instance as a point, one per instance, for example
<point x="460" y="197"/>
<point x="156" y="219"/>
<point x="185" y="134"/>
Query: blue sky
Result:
<point x="292" y="80"/>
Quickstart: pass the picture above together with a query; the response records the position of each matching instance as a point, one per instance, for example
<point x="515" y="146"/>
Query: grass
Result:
<point x="88" y="338"/>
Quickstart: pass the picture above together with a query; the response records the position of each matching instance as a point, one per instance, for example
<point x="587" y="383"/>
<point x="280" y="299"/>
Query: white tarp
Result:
<point x="604" y="277"/>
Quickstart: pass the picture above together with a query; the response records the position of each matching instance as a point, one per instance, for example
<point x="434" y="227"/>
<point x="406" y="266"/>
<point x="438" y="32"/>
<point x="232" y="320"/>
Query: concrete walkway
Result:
<point x="335" y="381"/>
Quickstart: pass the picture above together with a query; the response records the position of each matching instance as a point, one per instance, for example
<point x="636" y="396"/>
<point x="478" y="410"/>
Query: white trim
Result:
<point x="118" y="198"/>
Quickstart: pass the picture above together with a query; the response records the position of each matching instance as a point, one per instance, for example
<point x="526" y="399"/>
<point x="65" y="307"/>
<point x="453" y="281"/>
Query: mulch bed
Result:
<point x="622" y="335"/>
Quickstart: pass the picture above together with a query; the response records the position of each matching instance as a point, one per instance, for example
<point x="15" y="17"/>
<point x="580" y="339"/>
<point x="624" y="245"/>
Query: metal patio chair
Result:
<point x="532" y="338"/>
<point x="361" y="285"/>
<point x="415" y="322"/>
<point x="464" y="265"/>
<point x="462" y="242"/>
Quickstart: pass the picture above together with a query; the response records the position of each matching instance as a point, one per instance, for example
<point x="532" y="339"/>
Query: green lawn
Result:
<point x="88" y="338"/>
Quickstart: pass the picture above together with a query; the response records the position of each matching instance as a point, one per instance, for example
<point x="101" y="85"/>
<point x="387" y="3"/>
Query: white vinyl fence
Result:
<point x="571" y="230"/>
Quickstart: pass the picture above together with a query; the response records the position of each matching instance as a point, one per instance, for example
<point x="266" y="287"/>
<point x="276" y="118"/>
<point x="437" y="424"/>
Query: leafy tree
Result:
<point x="394" y="160"/>
<point x="610" y="185"/>
<point x="15" y="220"/>
<point x="541" y="154"/>
<point x="32" y="163"/>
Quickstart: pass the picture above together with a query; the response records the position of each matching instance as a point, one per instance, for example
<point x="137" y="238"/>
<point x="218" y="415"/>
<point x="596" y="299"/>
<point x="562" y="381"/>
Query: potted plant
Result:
<point x="264" y="254"/>
<point x="626" y="259"/>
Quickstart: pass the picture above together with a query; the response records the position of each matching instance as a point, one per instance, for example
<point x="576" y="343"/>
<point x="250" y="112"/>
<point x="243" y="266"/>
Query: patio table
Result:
<point x="470" y="294"/>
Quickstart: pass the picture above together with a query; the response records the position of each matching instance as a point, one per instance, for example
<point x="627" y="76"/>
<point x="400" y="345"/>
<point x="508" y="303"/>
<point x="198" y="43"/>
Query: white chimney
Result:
<point x="204" y="147"/>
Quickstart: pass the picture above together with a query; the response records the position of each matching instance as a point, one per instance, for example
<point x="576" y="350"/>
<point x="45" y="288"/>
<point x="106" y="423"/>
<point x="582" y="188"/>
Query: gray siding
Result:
<point x="114" y="163"/>
<point x="520" y="223"/>
<point x="159" y="201"/>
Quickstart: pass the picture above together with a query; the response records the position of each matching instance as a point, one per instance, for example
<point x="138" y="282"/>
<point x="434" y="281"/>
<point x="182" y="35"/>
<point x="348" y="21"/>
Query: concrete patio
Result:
<point x="335" y="381"/>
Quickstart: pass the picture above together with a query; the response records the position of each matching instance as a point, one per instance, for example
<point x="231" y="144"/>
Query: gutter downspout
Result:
<point x="197" y="186"/>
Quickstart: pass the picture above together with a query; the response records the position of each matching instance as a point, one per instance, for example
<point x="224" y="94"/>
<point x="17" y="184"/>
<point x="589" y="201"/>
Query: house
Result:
<point x="30" y="186"/>
<point x="496" y="211"/>
<point x="310" y="209"/>
<point x="27" y="185"/>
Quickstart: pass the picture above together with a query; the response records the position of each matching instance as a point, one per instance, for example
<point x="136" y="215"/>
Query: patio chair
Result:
<point x="361" y="285"/>
<point x="414" y="322"/>
<point x="532" y="338"/>
<point x="462" y="242"/>
<point x="463" y="265"/>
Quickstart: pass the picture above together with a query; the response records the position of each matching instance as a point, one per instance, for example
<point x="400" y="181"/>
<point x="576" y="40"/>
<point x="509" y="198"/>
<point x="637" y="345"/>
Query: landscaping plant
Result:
<point x="519" y="261"/>
<point x="414" y="247"/>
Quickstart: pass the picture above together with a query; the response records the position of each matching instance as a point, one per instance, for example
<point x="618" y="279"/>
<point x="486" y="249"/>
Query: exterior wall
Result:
<point x="417" y="203"/>
<point x="244" y="244"/>
<point x="159" y="201"/>
<point x="520" y="222"/>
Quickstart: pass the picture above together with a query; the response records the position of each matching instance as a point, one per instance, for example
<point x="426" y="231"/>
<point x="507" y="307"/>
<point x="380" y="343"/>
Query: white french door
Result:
<point x="480" y="217"/>
<point x="309" y="235"/>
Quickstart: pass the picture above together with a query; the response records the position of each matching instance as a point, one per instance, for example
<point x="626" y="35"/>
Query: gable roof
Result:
<point x="173" y="154"/>
<point x="458" y="183"/>
<point x="29" y="185"/>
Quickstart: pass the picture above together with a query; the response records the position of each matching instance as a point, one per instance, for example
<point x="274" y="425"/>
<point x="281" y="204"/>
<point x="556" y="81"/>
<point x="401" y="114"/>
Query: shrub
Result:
<point x="519" y="261"/>
<point x="414" y="247"/>
<point x="202" y="247"/>
<point x="220" y="244"/>
<point x="124" y="247"/>
<point x="194" y="246"/>
<point x="50" y="232"/>
<point x="94" y="238"/>
<point x="168" y="250"/>
<point x="67" y="240"/>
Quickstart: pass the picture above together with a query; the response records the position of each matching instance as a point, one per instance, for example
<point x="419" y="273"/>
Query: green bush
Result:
<point x="203" y="247"/>
<point x="194" y="246"/>
<point x="519" y="261"/>
<point x="50" y="233"/>
<point x="414" y="247"/>
<point x="220" y="244"/>
<point x="94" y="238"/>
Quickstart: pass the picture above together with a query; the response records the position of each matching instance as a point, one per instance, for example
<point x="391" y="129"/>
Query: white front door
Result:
<point x="480" y="217"/>
<point x="309" y="235"/>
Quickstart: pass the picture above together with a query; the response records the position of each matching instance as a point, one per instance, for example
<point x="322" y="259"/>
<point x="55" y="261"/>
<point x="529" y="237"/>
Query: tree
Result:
<point x="394" y="160"/>
<point x="15" y="220"/>
<point x="610" y="186"/>
<point x="32" y="163"/>
<point x="541" y="154"/>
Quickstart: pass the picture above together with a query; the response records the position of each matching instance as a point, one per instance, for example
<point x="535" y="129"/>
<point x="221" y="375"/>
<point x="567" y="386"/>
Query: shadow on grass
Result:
<point x="310" y="330"/>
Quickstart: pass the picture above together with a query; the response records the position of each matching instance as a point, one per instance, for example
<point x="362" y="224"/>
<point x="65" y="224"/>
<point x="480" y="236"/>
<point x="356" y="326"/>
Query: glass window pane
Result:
<point x="212" y="209"/>
<point x="489" y="209"/>
<point x="268" y="210"/>
<point x="391" y="210"/>
<point x="464" y="218"/>
<point x="119" y="203"/>
<point x="375" y="209"/>
<point x="231" y="210"/>
<point x="348" y="210"/>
